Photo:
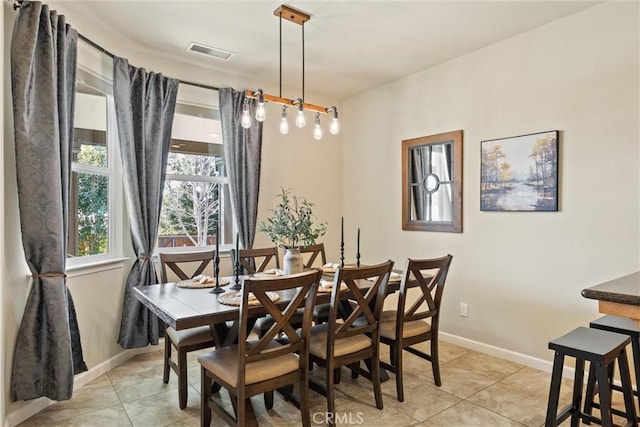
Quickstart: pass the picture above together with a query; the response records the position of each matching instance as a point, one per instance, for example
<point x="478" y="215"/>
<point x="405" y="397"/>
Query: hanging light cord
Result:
<point x="303" y="61"/>
<point x="280" y="54"/>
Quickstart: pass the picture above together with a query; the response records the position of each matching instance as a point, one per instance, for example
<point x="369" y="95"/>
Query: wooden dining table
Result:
<point x="619" y="297"/>
<point x="184" y="308"/>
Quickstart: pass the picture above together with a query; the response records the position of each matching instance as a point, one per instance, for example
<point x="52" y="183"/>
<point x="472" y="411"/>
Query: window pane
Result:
<point x="89" y="227"/>
<point x="89" y="135"/>
<point x="189" y="213"/>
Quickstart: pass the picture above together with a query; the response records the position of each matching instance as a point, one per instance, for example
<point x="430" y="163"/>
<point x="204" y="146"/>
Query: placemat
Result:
<point x="234" y="298"/>
<point x="326" y="286"/>
<point x="195" y="284"/>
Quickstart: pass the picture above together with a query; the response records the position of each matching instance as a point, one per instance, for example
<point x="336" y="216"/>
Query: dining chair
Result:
<point x="185" y="340"/>
<point x="256" y="261"/>
<point x="315" y="255"/>
<point x="351" y="334"/>
<point x="311" y="253"/>
<point x="417" y="321"/>
<point x="249" y="368"/>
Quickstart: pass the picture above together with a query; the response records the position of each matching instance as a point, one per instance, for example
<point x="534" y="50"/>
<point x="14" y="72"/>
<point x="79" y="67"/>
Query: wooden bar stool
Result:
<point x="601" y="349"/>
<point x="624" y="326"/>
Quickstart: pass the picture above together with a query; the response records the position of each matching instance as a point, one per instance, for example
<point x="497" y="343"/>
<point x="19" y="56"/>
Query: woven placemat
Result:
<point x="194" y="284"/>
<point x="326" y="286"/>
<point x="234" y="298"/>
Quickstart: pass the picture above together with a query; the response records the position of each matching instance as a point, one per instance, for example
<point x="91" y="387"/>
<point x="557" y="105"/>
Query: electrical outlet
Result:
<point x="464" y="309"/>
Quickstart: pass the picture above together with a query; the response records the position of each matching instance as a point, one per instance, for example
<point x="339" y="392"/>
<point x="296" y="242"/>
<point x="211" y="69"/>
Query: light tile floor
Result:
<point x="477" y="390"/>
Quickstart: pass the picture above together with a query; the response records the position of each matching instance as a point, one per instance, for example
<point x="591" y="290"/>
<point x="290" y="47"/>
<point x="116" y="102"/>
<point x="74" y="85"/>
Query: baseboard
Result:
<point x="34" y="406"/>
<point x="512" y="356"/>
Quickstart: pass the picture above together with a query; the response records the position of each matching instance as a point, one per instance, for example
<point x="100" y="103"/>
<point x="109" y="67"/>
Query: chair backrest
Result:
<point x="430" y="275"/>
<point x="302" y="289"/>
<point x="314" y="251"/>
<point x="258" y="259"/>
<point x="366" y="288"/>
<point x="177" y="262"/>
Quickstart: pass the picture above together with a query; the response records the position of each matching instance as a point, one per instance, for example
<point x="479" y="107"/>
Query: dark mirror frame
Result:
<point x="455" y="225"/>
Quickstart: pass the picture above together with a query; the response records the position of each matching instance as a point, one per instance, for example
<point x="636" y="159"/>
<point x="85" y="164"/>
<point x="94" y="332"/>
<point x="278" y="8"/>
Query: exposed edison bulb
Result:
<point x="300" y="121"/>
<point x="284" y="124"/>
<point x="245" y="122"/>
<point x="317" y="130"/>
<point x="334" y="128"/>
<point x="261" y="114"/>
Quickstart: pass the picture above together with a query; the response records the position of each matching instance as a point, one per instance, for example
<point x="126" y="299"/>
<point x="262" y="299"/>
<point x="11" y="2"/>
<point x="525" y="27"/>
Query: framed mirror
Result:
<point x="432" y="183"/>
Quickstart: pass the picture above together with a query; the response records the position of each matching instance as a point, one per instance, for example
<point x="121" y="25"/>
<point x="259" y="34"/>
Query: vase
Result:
<point x="292" y="261"/>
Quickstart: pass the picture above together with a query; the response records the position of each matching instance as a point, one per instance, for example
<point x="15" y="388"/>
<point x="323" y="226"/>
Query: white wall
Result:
<point x="2" y="249"/>
<point x="521" y="273"/>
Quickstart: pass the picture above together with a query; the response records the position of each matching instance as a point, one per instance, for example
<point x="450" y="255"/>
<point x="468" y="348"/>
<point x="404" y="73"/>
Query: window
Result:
<point x="196" y="192"/>
<point x="91" y="193"/>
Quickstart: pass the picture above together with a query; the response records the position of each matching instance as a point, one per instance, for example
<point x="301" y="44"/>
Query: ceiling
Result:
<point x="350" y="46"/>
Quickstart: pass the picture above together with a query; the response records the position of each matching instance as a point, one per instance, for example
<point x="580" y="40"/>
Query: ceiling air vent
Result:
<point x="213" y="52"/>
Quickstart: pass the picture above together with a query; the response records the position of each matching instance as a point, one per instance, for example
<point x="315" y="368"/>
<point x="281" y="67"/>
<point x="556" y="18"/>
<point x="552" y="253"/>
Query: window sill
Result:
<point x="95" y="267"/>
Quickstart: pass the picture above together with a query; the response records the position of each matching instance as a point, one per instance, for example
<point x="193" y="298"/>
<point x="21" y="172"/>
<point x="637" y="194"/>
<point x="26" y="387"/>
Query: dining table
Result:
<point x="184" y="308"/>
<point x="619" y="296"/>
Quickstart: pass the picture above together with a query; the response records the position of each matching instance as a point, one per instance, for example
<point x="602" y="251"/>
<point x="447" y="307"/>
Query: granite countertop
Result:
<point x="623" y="290"/>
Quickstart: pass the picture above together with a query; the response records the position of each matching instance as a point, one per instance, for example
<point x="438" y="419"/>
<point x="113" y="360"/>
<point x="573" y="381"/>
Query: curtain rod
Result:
<point x="106" y="52"/>
<point x="18" y="3"/>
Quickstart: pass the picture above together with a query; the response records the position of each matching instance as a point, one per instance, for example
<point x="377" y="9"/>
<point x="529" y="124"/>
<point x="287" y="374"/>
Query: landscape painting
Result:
<point x="520" y="173"/>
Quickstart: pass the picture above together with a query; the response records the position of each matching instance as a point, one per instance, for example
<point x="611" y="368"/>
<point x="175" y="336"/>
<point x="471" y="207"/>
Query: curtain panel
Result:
<point x="145" y="104"/>
<point x="48" y="351"/>
<point x="242" y="152"/>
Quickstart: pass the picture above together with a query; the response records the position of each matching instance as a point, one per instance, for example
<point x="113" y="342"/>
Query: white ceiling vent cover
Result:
<point x="213" y="52"/>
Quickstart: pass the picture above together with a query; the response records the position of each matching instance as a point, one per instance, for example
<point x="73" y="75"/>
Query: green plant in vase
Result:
<point x="291" y="227"/>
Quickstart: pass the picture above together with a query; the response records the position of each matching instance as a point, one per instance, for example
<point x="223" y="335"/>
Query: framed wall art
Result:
<point x="520" y="173"/>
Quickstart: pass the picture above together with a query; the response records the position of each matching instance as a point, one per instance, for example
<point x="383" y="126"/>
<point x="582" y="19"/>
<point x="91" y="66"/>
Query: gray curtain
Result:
<point x="145" y="104"/>
<point x="43" y="72"/>
<point x="421" y="167"/>
<point x="242" y="152"/>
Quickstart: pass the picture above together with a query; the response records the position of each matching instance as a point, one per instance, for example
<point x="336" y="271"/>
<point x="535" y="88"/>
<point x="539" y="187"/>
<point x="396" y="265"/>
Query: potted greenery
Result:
<point x="291" y="227"/>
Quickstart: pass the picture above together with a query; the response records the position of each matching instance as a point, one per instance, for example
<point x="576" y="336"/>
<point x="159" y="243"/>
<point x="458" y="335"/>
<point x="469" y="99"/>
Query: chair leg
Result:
<point x="397" y="356"/>
<point x="576" y="403"/>
<point x="167" y="356"/>
<point x="435" y="361"/>
<point x="337" y="375"/>
<point x="182" y="378"/>
<point x="268" y="399"/>
<point x="304" y="400"/>
<point x="375" y="379"/>
<point x="605" y="395"/>
<point x="635" y="346"/>
<point x="355" y="370"/>
<point x="331" y="404"/>
<point x="590" y="393"/>
<point x="205" y="394"/>
<point x="554" y="391"/>
<point x="627" y="389"/>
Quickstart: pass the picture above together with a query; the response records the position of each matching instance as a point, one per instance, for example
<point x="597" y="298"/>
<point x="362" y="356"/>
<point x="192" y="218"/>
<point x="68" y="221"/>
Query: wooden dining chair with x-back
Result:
<point x="256" y="260"/>
<point x="351" y="334"/>
<point x="255" y="367"/>
<point x="184" y="266"/>
<point x="415" y="320"/>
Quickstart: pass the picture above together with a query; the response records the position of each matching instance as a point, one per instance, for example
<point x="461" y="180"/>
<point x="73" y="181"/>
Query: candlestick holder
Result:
<point x="342" y="254"/>
<point x="358" y="260"/>
<point x="236" y="271"/>
<point x="216" y="272"/>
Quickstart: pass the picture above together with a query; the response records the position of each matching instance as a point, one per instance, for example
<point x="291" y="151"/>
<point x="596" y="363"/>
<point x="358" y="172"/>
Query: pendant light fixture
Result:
<point x="298" y="17"/>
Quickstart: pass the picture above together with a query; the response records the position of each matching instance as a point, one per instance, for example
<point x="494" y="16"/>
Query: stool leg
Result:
<point x="605" y="395"/>
<point x="625" y="378"/>
<point x="590" y="394"/>
<point x="576" y="399"/>
<point x="635" y="346"/>
<point x="554" y="391"/>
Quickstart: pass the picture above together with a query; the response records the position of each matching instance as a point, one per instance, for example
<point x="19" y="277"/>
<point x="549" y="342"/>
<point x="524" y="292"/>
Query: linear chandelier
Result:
<point x="298" y="17"/>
